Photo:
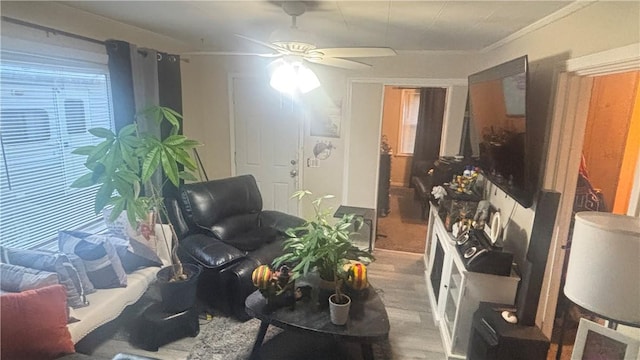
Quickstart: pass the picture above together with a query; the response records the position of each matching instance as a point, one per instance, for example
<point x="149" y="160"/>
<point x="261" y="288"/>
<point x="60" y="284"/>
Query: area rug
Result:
<point x="402" y="229"/>
<point x="226" y="338"/>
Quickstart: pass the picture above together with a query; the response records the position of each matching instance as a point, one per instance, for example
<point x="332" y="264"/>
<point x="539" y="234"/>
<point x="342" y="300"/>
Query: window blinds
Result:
<point x="46" y="110"/>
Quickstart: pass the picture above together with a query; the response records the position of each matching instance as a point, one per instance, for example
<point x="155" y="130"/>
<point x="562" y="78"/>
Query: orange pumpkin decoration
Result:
<point x="357" y="276"/>
<point x="261" y="277"/>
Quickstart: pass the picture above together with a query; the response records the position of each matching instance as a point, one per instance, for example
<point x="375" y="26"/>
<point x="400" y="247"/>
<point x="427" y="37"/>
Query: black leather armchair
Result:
<point x="221" y="226"/>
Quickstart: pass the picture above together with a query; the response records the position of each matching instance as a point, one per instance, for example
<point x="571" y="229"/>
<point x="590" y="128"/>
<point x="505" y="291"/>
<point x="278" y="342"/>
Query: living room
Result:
<point x="350" y="173"/>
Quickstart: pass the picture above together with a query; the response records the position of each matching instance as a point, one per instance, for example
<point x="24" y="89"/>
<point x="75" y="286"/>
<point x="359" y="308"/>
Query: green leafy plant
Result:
<point x="321" y="246"/>
<point x="123" y="165"/>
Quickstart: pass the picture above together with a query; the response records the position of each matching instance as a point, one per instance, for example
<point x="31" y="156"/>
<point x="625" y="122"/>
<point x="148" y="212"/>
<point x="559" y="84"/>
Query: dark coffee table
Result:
<point x="368" y="321"/>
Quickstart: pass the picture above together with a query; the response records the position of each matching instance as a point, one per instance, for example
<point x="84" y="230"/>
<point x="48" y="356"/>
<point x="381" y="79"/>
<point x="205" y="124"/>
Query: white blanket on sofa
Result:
<point x="107" y="304"/>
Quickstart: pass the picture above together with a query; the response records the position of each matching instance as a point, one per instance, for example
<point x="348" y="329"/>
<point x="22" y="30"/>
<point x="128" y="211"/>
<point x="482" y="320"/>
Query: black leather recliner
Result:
<point x="221" y="226"/>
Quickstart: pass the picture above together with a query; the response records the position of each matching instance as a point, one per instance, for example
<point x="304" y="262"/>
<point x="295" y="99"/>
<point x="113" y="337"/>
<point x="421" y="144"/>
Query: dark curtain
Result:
<point x="426" y="149"/>
<point x="119" y="64"/>
<point x="169" y="95"/>
<point x="141" y="78"/>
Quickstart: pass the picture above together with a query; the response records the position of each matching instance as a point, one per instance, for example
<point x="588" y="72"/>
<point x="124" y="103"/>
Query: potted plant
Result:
<point x="321" y="246"/>
<point x="123" y="164"/>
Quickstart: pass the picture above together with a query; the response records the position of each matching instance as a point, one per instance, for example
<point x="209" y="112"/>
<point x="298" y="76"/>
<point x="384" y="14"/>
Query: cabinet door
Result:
<point x="437" y="268"/>
<point x="453" y="285"/>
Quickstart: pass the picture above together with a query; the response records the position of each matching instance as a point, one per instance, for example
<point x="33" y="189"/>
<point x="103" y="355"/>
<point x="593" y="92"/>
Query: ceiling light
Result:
<point x="289" y="75"/>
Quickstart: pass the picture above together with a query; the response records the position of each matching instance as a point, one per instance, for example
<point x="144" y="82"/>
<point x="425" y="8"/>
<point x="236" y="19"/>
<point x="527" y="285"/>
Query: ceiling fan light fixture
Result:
<point x="307" y="79"/>
<point x="289" y="76"/>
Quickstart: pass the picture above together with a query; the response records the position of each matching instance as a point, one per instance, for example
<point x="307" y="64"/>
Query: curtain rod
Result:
<point x="58" y="32"/>
<point x="51" y="30"/>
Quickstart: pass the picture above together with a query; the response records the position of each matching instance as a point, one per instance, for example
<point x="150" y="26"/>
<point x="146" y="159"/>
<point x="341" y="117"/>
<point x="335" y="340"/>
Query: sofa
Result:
<point x="221" y="227"/>
<point x="39" y="300"/>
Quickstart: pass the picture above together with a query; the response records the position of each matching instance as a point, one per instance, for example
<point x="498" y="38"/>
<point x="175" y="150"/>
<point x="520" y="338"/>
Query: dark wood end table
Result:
<point x="368" y="321"/>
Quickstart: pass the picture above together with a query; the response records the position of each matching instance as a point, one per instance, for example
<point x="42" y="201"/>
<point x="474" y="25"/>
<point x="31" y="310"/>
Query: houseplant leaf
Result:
<point x="84" y="150"/>
<point x="102" y="133"/>
<point x="170" y="167"/>
<point x="84" y="181"/>
<point x="151" y="163"/>
<point x="103" y="196"/>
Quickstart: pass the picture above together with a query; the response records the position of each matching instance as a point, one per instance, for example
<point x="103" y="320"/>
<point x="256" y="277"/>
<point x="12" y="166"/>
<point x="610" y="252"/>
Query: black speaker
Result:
<point x="492" y="338"/>
<point x="532" y="272"/>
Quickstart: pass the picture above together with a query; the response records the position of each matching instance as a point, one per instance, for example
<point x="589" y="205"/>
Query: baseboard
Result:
<point x="399" y="184"/>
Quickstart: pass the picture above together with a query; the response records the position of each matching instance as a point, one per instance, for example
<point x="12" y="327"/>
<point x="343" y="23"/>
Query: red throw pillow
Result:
<point x="34" y="324"/>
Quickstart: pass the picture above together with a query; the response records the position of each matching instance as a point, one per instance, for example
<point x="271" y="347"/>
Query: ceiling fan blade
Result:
<point x="230" y="53"/>
<point x="341" y="63"/>
<point x="355" y="52"/>
<point x="270" y="46"/>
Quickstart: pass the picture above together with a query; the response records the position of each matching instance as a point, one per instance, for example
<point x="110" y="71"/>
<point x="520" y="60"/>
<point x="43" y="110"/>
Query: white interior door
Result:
<point x="267" y="138"/>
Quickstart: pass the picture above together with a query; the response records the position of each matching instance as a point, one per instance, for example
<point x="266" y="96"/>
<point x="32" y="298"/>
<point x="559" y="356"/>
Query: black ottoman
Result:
<point x="156" y="327"/>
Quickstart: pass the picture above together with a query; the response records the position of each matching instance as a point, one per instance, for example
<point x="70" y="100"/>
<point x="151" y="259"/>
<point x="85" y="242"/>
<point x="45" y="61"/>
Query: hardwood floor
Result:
<point x="398" y="276"/>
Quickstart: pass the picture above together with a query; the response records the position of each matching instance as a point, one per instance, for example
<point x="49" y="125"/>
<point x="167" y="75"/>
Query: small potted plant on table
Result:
<point x="325" y="248"/>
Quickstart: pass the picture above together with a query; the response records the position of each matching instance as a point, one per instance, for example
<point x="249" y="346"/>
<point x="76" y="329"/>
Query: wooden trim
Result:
<point x="564" y="153"/>
<point x="612" y="61"/>
<point x="568" y="126"/>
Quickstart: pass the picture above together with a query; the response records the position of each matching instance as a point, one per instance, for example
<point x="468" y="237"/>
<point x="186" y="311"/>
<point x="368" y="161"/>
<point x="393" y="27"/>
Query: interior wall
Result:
<point x="363" y="147"/>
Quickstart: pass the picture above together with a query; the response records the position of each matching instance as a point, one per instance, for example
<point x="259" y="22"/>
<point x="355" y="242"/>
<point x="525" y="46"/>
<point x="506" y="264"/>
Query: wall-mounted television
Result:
<point x="497" y="128"/>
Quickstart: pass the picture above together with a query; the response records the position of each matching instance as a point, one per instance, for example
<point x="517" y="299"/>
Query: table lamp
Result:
<point x="603" y="275"/>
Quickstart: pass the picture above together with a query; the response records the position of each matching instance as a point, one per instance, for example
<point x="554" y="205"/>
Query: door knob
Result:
<point x="293" y="173"/>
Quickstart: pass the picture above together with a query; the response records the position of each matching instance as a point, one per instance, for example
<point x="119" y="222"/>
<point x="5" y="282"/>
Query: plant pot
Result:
<point x="179" y="295"/>
<point x="339" y="312"/>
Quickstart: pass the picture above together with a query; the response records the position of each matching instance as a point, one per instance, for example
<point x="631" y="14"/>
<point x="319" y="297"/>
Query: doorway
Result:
<point x="412" y="119"/>
<point x="610" y="152"/>
<point x="573" y="93"/>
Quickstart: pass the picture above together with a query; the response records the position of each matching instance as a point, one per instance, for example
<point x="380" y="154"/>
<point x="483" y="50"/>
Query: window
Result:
<point x="409" y="120"/>
<point x="74" y="114"/>
<point x="46" y="111"/>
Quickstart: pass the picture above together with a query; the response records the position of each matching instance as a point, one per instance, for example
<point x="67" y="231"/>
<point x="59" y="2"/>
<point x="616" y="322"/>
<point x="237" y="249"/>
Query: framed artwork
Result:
<point x="326" y="122"/>
<point x="596" y="342"/>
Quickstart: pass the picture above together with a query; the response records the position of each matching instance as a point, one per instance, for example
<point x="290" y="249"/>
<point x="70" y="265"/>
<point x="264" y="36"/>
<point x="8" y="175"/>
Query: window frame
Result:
<point x="407" y="96"/>
<point x="92" y="79"/>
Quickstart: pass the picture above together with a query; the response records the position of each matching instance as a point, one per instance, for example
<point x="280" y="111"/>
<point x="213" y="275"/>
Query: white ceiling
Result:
<point x="401" y="25"/>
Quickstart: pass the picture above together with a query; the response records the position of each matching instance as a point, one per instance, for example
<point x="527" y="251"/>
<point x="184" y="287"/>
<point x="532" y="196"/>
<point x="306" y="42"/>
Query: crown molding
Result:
<point x="562" y="13"/>
<point x="626" y="58"/>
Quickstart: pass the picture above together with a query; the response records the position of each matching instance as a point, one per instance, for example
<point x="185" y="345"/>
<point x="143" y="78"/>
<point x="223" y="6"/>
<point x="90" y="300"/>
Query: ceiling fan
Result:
<point x="294" y="45"/>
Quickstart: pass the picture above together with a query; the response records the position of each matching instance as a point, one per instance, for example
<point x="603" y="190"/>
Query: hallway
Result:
<point x="402" y="229"/>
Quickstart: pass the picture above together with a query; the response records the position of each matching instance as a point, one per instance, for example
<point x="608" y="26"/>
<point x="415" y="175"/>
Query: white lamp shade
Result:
<point x="307" y="80"/>
<point x="284" y="78"/>
<point x="289" y="75"/>
<point x="603" y="275"/>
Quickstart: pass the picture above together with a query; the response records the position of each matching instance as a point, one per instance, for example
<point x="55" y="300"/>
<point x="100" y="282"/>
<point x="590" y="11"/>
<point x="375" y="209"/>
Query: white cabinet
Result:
<point x="455" y="293"/>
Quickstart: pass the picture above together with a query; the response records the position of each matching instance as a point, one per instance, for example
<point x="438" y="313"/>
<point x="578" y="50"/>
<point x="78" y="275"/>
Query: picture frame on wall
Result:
<point x="596" y="342"/>
<point x="325" y="122"/>
<point x="326" y="126"/>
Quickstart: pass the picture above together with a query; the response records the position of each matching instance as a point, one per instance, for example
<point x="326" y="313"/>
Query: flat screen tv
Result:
<point x="497" y="128"/>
